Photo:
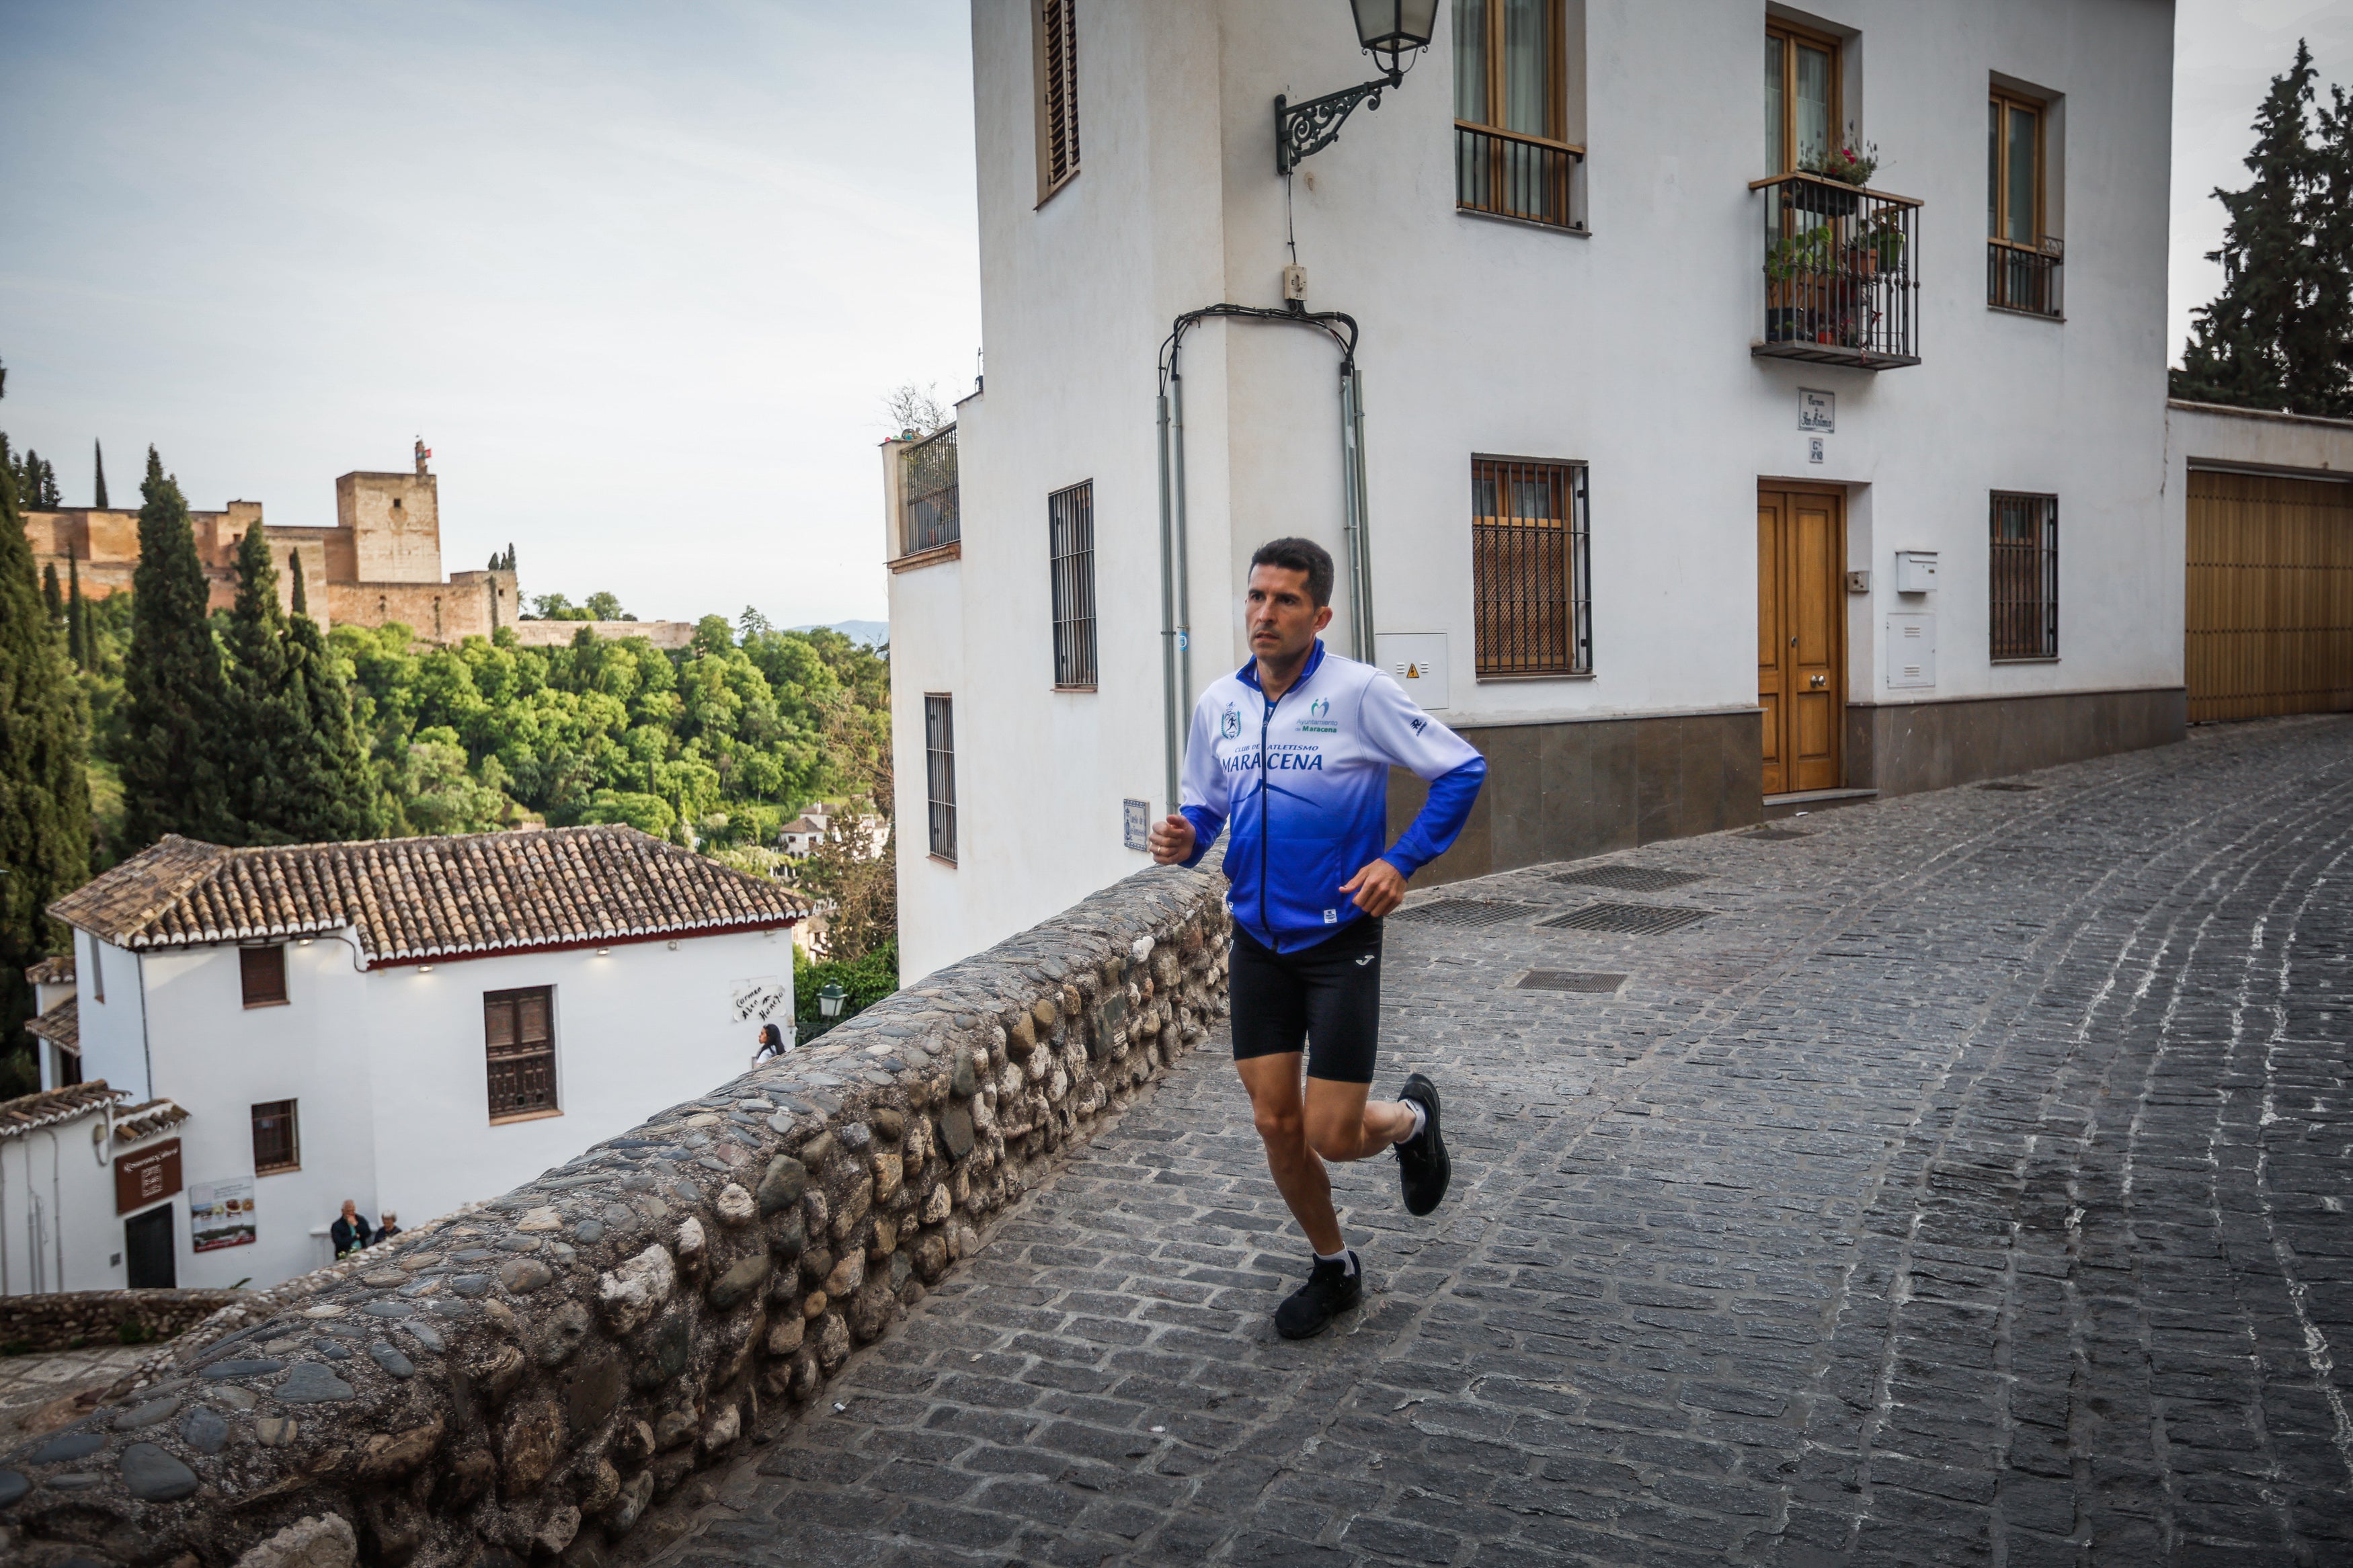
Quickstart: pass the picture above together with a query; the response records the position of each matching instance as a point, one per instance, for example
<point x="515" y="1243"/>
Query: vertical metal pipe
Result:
<point x="1348" y="518"/>
<point x="1184" y="551"/>
<point x="1173" y="738"/>
<point x="1364" y="514"/>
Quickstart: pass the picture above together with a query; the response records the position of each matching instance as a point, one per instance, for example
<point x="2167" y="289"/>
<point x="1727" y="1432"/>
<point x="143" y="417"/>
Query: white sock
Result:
<point x="1420" y="1119"/>
<point x="1343" y="1256"/>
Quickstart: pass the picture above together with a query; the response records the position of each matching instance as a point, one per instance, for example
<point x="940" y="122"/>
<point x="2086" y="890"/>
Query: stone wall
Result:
<point x="67" y="1320"/>
<point x="519" y="1384"/>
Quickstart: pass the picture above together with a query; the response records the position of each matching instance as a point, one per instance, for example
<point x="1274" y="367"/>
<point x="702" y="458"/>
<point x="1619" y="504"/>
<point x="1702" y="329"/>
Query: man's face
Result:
<point x="1280" y="619"/>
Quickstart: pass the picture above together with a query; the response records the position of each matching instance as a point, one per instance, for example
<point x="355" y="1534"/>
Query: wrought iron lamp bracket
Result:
<point x="1301" y="129"/>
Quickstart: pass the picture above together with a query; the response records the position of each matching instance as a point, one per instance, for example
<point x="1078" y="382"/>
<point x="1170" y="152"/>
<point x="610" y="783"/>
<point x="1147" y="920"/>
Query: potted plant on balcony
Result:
<point x="1795" y="269"/>
<point x="1845" y="165"/>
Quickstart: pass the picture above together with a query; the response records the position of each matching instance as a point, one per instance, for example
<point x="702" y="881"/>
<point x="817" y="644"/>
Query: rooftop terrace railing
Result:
<point x="928" y="513"/>
<point x="1841" y="274"/>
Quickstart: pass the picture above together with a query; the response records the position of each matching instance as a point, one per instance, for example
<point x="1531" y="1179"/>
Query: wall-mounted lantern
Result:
<point x="1392" y="32"/>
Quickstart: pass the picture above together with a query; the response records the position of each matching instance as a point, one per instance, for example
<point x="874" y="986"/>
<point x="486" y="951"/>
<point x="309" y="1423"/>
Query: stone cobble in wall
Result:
<point x="69" y="1320"/>
<point x="535" y="1378"/>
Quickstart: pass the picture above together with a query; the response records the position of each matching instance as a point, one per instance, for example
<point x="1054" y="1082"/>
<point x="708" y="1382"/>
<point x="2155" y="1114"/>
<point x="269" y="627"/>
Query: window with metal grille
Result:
<point x="1057" y="94"/>
<point x="2025" y="577"/>
<point x="277" y="1143"/>
<point x="261" y="975"/>
<point x="1070" y="535"/>
<point x="519" y="1040"/>
<point x="1512" y="153"/>
<point x="1530" y="579"/>
<point x="2023" y="263"/>
<point x="939" y="772"/>
<point x="929" y="515"/>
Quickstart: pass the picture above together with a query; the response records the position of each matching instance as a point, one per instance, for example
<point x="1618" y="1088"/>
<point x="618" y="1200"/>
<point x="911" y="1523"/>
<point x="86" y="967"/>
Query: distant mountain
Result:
<point x="871" y="633"/>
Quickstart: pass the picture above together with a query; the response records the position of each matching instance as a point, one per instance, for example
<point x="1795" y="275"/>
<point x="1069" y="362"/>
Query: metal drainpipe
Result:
<point x="1184" y="552"/>
<point x="1354" y="401"/>
<point x="3" y="1221"/>
<point x="58" y="1206"/>
<point x="1174" y="737"/>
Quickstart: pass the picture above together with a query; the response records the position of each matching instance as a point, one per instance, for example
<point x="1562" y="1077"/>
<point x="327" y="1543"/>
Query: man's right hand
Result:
<point x="1171" y="840"/>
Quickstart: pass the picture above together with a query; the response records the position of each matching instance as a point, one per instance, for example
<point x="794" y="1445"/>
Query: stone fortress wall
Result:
<point x="524" y="1381"/>
<point x="381" y="563"/>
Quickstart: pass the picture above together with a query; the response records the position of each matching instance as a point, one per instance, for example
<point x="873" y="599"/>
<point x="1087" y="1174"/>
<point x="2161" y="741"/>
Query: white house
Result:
<point x="1570" y="313"/>
<point x="411" y="1024"/>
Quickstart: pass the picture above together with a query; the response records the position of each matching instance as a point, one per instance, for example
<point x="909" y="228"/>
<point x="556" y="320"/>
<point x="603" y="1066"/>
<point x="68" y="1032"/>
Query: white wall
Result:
<point x="388" y="1072"/>
<point x="2288" y="444"/>
<point x="113" y="1032"/>
<point x="1627" y="349"/>
<point x="56" y="1199"/>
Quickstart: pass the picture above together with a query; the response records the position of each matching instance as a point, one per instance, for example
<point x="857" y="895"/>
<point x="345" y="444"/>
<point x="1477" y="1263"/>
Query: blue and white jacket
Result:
<point x="1304" y="779"/>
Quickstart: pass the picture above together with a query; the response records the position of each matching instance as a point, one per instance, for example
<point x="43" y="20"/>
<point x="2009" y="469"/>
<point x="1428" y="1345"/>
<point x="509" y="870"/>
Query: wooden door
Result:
<point x="147" y="1248"/>
<point x="2269" y="607"/>
<point x="1802" y="639"/>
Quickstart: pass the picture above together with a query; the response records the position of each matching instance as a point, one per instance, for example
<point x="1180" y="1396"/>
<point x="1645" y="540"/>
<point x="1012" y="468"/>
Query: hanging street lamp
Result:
<point x="1392" y="32"/>
<point x="829" y="1000"/>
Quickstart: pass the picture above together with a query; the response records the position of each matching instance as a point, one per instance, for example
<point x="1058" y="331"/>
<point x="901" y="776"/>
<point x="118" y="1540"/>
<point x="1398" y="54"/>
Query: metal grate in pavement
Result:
<point x="1775" y="835"/>
<point x="1570" y="980"/>
<point x="1631" y="878"/>
<point x="2010" y="786"/>
<point x="1632" y="919"/>
<point x="1465" y="913"/>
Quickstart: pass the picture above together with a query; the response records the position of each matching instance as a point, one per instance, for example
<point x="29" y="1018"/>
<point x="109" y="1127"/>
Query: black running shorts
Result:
<point x="1326" y="997"/>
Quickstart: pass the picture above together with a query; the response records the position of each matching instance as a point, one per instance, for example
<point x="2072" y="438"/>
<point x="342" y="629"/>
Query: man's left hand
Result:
<point x="1379" y="889"/>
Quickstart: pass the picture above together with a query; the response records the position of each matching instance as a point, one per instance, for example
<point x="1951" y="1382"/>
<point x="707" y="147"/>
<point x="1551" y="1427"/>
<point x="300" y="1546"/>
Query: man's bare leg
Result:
<point x="1328" y="1121"/>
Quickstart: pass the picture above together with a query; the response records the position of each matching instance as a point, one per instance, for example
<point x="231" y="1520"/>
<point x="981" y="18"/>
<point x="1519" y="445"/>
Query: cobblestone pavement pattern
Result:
<point x="35" y="1386"/>
<point x="1969" y="1187"/>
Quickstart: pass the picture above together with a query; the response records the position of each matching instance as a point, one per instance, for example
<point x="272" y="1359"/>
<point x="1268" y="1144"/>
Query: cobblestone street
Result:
<point x="1967" y="1186"/>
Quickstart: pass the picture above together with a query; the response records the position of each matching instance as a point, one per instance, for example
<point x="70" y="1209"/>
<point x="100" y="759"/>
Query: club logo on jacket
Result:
<point x="1229" y="722"/>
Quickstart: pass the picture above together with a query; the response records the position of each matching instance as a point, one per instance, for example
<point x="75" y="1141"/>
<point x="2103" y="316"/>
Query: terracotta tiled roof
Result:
<point x="427" y="898"/>
<point x="133" y="1123"/>
<point x="31" y="1113"/>
<point x="60" y="1025"/>
<point x="55" y="970"/>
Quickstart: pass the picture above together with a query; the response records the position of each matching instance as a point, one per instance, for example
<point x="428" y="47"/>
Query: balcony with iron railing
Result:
<point x="2025" y="279"/>
<point x="928" y="512"/>
<point x="1841" y="274"/>
<point x="1528" y="179"/>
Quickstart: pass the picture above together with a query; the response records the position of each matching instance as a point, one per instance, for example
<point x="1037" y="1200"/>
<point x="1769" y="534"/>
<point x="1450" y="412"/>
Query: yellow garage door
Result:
<point x="2270" y="607"/>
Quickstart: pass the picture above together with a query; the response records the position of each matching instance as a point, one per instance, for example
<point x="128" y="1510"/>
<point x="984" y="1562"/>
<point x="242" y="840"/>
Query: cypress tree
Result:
<point x="98" y="464"/>
<point x="294" y="567"/>
<point x="77" y="616"/>
<point x="2277" y="335"/>
<point x="297" y="772"/>
<point x="53" y="598"/>
<point x="44" y="790"/>
<point x="173" y="686"/>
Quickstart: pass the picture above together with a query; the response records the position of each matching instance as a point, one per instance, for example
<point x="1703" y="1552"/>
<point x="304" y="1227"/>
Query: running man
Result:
<point x="1295" y="748"/>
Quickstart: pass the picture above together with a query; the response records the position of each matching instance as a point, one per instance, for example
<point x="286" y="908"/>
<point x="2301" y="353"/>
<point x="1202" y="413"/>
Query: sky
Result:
<point x="640" y="275"/>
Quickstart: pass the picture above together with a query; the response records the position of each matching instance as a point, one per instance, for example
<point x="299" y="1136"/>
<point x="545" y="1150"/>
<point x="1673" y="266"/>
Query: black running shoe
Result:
<point x="1331" y="1289"/>
<point x="1423" y="1169"/>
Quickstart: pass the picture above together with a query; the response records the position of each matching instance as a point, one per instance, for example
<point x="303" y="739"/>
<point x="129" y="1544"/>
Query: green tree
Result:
<point x="2280" y="333"/>
<point x="98" y="471"/>
<point x="53" y="598"/>
<point x="43" y="789"/>
<point x="293" y="763"/>
<point x="174" y="687"/>
<point x="77" y="616"/>
<point x="603" y="606"/>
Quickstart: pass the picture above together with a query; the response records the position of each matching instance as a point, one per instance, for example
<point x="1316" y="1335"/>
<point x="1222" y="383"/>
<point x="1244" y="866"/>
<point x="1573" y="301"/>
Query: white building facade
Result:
<point x="410" y="1024"/>
<point x="1603" y="322"/>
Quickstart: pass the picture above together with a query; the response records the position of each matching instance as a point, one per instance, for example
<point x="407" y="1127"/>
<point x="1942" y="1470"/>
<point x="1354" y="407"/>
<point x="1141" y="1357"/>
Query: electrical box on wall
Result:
<point x="1915" y="571"/>
<point x="1911" y="650"/>
<point x="1416" y="661"/>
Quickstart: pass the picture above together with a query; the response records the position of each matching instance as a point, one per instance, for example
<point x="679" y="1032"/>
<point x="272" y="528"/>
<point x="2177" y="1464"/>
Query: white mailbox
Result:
<point x="1915" y="571"/>
<point x="1911" y="650"/>
<point x="1416" y="661"/>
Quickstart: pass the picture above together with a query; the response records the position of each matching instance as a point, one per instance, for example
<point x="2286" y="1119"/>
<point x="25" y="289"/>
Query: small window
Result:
<point x="277" y="1143"/>
<point x="2022" y="269"/>
<point x="519" y="1037"/>
<point x="261" y="973"/>
<point x="1802" y="96"/>
<point x="2025" y="576"/>
<point x="1529" y="570"/>
<point x="1070" y="535"/>
<point x="1057" y="94"/>
<point x="939" y="772"/>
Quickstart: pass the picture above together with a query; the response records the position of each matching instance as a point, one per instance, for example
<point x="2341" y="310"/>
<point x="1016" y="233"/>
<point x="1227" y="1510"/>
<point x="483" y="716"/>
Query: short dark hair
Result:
<point x="1301" y="555"/>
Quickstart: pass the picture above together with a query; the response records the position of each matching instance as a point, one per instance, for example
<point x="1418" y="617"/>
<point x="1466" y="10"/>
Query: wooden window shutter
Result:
<point x="261" y="975"/>
<point x="1057" y="95"/>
